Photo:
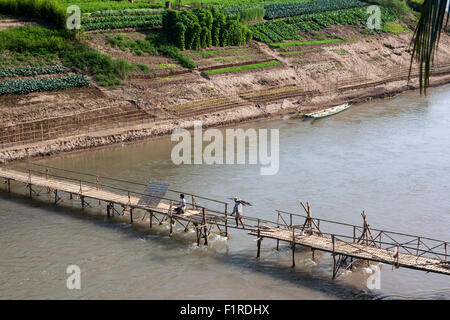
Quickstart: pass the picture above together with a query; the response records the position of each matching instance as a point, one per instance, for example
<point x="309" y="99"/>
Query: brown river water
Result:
<point x="390" y="158"/>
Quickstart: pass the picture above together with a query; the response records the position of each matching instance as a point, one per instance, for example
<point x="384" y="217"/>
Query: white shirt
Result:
<point x="182" y="203"/>
<point x="237" y="208"/>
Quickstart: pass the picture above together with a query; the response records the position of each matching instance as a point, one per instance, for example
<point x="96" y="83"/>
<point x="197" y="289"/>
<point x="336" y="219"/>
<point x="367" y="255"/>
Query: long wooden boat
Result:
<point x="328" y="112"/>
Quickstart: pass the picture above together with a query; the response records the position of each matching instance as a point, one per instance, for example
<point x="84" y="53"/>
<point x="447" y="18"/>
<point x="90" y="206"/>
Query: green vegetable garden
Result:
<point x="210" y="23"/>
<point x="282" y="10"/>
<point x="287" y="29"/>
<point x="32" y="71"/>
<point x="23" y="86"/>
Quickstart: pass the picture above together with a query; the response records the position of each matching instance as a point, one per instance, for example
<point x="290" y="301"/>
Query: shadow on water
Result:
<point x="280" y="271"/>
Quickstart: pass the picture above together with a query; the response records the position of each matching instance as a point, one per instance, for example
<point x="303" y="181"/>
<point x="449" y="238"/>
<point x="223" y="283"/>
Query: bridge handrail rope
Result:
<point x="103" y="185"/>
<point x="389" y="245"/>
<point x="360" y="227"/>
<point x="118" y="180"/>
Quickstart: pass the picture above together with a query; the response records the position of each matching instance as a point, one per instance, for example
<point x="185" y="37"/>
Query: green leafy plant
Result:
<point x="42" y="84"/>
<point x="32" y="71"/>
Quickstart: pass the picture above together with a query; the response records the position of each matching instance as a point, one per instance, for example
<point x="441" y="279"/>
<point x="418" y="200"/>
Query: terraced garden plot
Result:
<point x="204" y="106"/>
<point x="226" y="56"/>
<point x="300" y="52"/>
<point x="245" y="67"/>
<point x="284" y="45"/>
<point x="158" y="65"/>
<point x="274" y="94"/>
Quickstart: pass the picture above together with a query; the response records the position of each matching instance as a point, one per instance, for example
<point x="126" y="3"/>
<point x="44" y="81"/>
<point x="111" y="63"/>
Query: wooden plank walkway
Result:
<point x="198" y="217"/>
<point x="354" y="250"/>
<point x="363" y="248"/>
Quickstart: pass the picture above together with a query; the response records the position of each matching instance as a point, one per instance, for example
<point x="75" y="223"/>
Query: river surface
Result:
<point x="390" y="158"/>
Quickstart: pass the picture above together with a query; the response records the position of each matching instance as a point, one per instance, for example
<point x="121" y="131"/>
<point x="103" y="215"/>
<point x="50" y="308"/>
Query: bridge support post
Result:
<point x="258" y="242"/>
<point x="8" y="185"/>
<point x="278" y="226"/>
<point x="198" y="233"/>
<point x="131" y="215"/>
<point x="170" y="219"/>
<point x="293" y="255"/>
<point x="205" y="227"/>
<point x="56" y="196"/>
<point x="226" y="219"/>
<point x="82" y="202"/>
<point x="30" y="189"/>
<point x="334" y="258"/>
<point x="151" y="219"/>
<point x="293" y="244"/>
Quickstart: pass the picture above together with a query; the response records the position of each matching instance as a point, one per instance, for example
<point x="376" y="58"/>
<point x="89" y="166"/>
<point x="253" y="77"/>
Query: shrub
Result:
<point x="46" y="10"/>
<point x="202" y="28"/>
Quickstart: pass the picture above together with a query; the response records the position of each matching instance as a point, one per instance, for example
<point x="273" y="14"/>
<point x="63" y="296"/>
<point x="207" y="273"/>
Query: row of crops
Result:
<point x="117" y="19"/>
<point x="32" y="71"/>
<point x="287" y="29"/>
<point x="282" y="10"/>
<point x="23" y="86"/>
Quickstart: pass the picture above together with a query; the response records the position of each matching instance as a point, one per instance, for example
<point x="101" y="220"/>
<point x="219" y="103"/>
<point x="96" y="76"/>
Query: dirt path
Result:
<point x="274" y="54"/>
<point x="11" y="23"/>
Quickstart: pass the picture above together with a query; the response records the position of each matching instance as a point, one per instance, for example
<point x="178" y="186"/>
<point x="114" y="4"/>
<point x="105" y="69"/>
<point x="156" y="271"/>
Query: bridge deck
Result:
<point x="355" y="250"/>
<point x="83" y="190"/>
<point x="201" y="219"/>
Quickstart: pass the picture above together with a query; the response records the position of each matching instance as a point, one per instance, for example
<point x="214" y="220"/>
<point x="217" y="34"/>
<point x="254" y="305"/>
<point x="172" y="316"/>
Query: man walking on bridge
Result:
<point x="182" y="206"/>
<point x="237" y="210"/>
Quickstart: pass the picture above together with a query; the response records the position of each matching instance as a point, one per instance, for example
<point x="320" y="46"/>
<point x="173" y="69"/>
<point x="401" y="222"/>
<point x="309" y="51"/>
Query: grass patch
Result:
<point x="47" y="10"/>
<point x="138" y="47"/>
<point x="394" y="28"/>
<point x="282" y="45"/>
<point x="341" y="52"/>
<point x="245" y="67"/>
<point x="288" y="53"/>
<point x="212" y="53"/>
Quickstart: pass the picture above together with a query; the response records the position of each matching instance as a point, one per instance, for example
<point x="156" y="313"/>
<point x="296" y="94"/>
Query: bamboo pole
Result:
<point x="293" y="247"/>
<point x="151" y="219"/>
<point x="56" y="196"/>
<point x="278" y="227"/>
<point x="334" y="257"/>
<point x="205" y="227"/>
<point x="198" y="233"/>
<point x="131" y="215"/>
<point x="418" y="245"/>
<point x="226" y="219"/>
<point x="258" y="241"/>
<point x="170" y="218"/>
<point x="445" y="249"/>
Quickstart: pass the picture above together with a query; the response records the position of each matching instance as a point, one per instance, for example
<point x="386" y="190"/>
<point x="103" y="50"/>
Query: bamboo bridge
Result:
<point x="350" y="245"/>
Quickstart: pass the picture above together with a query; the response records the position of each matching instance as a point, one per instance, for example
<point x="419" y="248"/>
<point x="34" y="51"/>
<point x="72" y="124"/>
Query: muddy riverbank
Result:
<point x="130" y="134"/>
<point x="356" y="70"/>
